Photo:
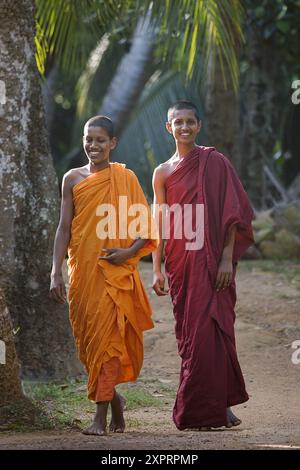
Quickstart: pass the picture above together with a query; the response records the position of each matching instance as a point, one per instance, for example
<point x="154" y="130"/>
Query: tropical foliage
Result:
<point x="89" y="40"/>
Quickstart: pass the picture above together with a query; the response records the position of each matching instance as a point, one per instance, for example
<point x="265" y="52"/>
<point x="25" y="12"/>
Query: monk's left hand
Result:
<point x="117" y="255"/>
<point x="224" y="276"/>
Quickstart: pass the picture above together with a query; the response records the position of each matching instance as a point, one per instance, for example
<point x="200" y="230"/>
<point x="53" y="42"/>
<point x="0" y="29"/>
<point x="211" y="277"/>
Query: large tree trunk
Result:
<point x="222" y="112"/>
<point x="29" y="204"/>
<point x="10" y="383"/>
<point x="131" y="76"/>
<point x="260" y="112"/>
<point x="15" y="408"/>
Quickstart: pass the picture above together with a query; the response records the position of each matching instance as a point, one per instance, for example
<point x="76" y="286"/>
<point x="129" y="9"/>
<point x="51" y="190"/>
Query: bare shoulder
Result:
<point x="163" y="170"/>
<point x="75" y="175"/>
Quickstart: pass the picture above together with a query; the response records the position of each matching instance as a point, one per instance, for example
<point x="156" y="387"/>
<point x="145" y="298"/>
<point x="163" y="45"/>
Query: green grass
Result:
<point x="138" y="397"/>
<point x="66" y="405"/>
<point x="289" y="268"/>
<point x="134" y="423"/>
<point x="61" y="404"/>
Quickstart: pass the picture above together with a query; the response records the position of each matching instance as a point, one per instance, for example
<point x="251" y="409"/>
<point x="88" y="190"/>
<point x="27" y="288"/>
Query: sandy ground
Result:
<point x="268" y="321"/>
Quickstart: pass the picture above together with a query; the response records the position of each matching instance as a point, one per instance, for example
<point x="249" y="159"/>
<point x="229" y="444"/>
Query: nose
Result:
<point x="94" y="145"/>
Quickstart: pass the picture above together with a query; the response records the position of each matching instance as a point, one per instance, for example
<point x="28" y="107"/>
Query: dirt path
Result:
<point x="268" y="321"/>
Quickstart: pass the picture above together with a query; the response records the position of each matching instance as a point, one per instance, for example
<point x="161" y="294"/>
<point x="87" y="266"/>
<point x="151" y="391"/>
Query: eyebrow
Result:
<point x="188" y="119"/>
<point x="90" y="137"/>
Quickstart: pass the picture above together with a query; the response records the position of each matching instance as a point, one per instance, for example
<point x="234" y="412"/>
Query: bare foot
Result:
<point x="95" y="430"/>
<point x="232" y="420"/>
<point x="117" y="423"/>
<point x="98" y="428"/>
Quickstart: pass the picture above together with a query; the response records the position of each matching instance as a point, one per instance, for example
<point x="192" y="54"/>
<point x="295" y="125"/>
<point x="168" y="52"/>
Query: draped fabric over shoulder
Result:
<point x="210" y="379"/>
<point x="109" y="308"/>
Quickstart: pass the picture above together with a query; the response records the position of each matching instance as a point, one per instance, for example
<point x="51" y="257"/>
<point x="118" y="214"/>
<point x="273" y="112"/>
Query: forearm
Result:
<point x="61" y="242"/>
<point x="157" y="256"/>
<point x="137" y="245"/>
<point x="229" y="243"/>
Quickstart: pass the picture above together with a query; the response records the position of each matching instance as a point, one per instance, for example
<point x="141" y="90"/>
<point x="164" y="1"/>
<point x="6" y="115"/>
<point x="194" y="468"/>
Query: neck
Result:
<point x="183" y="150"/>
<point x="95" y="167"/>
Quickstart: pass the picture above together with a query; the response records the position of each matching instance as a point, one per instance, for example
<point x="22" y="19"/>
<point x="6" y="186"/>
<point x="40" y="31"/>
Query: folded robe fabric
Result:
<point x="211" y="379"/>
<point x="109" y="308"/>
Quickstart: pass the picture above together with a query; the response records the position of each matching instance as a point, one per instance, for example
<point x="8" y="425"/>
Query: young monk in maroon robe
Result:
<point x="202" y="280"/>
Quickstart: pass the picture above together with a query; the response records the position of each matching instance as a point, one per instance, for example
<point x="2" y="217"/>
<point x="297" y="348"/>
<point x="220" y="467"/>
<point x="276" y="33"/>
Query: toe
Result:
<point x="119" y="430"/>
<point x="236" y="422"/>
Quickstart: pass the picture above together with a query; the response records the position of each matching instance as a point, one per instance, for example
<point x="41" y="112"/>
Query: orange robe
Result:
<point x="109" y="308"/>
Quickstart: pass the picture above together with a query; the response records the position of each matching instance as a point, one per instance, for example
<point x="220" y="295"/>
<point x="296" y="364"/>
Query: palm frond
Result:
<point x="69" y="29"/>
<point x="193" y="26"/>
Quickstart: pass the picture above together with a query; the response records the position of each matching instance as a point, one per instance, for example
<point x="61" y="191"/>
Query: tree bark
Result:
<point x="222" y="112"/>
<point x="10" y="383"/>
<point x="29" y="202"/>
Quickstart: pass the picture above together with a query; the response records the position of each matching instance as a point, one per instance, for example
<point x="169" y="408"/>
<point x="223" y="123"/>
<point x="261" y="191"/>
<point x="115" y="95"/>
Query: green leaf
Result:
<point x="283" y="26"/>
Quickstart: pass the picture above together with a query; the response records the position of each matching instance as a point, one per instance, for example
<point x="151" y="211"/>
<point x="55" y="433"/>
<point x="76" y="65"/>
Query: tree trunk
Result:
<point x="132" y="74"/>
<point x="15" y="408"/>
<point x="10" y="383"/>
<point x="222" y="115"/>
<point x="29" y="202"/>
<point x="260" y="111"/>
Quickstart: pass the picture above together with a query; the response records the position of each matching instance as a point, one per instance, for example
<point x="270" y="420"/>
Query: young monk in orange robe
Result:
<point x="109" y="308"/>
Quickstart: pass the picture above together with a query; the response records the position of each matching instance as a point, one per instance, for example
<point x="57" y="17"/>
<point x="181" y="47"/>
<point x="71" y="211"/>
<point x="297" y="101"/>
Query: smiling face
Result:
<point x="97" y="145"/>
<point x="184" y="126"/>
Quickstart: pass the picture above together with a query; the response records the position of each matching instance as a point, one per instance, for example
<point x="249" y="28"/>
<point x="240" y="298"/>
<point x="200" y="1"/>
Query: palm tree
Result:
<point x="131" y="76"/>
<point x="183" y="26"/>
<point x="123" y="90"/>
<point x="176" y="32"/>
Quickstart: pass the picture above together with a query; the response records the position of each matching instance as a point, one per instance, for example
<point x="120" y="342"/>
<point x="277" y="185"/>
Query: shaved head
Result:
<point x="101" y="121"/>
<point x="183" y="105"/>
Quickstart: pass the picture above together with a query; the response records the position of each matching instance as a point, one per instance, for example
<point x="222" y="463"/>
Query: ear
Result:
<point x="199" y="125"/>
<point x="169" y="127"/>
<point x="113" y="143"/>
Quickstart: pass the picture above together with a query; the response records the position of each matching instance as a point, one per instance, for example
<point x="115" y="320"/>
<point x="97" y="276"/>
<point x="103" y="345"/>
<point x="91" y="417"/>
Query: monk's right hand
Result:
<point x="58" y="289"/>
<point x="158" y="284"/>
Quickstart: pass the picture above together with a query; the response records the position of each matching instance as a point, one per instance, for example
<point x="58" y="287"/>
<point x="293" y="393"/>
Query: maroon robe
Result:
<point x="210" y="379"/>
